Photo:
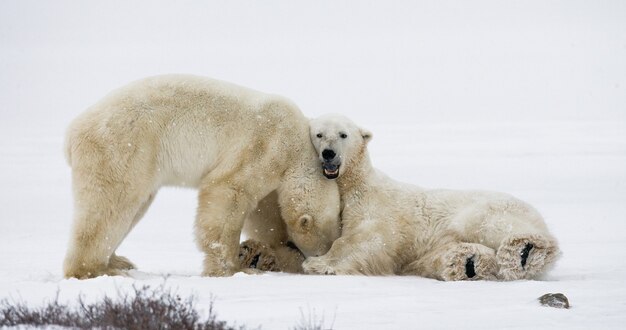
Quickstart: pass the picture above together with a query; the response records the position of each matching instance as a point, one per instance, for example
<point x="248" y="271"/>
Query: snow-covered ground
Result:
<point x="523" y="97"/>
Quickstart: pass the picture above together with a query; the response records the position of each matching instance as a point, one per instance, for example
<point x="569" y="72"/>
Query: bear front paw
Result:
<point x="318" y="265"/>
<point x="256" y="255"/>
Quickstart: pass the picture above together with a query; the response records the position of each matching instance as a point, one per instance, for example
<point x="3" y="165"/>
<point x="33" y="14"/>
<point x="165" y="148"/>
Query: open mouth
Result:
<point x="331" y="171"/>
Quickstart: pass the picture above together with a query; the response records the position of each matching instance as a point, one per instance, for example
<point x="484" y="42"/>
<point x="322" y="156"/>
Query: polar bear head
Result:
<point x="338" y="142"/>
<point x="310" y="207"/>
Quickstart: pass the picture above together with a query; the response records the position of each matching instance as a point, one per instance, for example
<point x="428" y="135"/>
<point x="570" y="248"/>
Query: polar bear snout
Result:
<point x="328" y="154"/>
<point x="330" y="164"/>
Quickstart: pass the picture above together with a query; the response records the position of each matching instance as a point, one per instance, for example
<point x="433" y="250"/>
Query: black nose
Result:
<point x="328" y="154"/>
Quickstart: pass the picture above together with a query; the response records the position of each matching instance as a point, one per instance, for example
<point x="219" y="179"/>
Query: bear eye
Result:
<point x="343" y="135"/>
<point x="319" y="135"/>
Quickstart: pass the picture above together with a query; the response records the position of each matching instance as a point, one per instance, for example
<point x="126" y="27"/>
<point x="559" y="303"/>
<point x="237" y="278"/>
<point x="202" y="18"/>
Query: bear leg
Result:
<point x="455" y="262"/>
<point x="220" y="217"/>
<point x="356" y="254"/>
<point x="105" y="211"/>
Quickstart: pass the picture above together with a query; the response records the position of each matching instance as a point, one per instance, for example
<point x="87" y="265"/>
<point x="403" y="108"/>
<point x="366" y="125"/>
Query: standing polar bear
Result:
<point x="394" y="228"/>
<point x="234" y="144"/>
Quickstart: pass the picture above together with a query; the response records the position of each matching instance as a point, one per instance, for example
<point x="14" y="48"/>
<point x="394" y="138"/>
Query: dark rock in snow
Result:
<point x="556" y="300"/>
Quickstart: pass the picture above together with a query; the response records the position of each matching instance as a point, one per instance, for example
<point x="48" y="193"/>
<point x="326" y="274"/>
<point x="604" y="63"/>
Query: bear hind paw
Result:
<point x="524" y="254"/>
<point x="526" y="257"/>
<point x="470" y="262"/>
<point x="470" y="269"/>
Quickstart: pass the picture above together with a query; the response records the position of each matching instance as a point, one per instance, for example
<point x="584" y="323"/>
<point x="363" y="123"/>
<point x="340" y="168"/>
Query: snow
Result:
<point x="522" y="97"/>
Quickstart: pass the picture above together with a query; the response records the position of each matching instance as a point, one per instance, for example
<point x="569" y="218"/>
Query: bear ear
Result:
<point x="305" y="222"/>
<point x="366" y="134"/>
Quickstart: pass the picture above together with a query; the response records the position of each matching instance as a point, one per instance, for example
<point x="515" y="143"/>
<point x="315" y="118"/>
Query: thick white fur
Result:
<point x="395" y="228"/>
<point x="234" y="144"/>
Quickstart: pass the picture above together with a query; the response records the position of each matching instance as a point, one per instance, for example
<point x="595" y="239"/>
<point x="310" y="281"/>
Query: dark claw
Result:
<point x="292" y="245"/>
<point x="525" y="253"/>
<point x="255" y="260"/>
<point x="245" y="248"/>
<point x="470" y="271"/>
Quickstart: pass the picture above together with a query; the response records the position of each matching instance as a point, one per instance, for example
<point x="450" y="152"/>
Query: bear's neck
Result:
<point x="356" y="175"/>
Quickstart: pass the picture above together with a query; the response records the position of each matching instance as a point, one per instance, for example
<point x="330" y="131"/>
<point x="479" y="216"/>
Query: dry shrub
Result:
<point x="145" y="308"/>
<point x="311" y="321"/>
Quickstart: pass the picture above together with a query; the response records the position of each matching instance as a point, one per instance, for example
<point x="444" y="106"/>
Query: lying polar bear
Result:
<point x="395" y="228"/>
<point x="234" y="144"/>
